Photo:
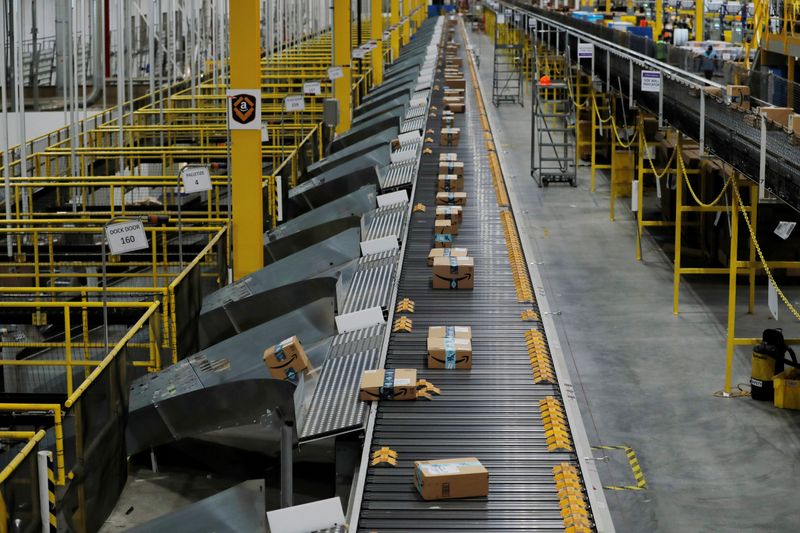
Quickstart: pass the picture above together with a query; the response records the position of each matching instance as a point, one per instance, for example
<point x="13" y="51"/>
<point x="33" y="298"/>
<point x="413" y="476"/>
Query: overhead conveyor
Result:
<point x="496" y="411"/>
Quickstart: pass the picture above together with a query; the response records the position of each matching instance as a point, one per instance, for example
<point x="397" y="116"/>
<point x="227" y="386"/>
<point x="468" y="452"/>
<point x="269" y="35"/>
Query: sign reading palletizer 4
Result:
<point x="196" y="179"/>
<point x="124" y="237"/>
<point x="244" y="109"/>
<point x="651" y="81"/>
<point x="585" y="50"/>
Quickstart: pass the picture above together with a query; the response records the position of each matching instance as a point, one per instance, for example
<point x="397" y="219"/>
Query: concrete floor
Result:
<point x="647" y="378"/>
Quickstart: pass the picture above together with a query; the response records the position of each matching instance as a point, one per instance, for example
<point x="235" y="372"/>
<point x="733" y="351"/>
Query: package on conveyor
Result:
<point x="455" y="82"/>
<point x="287" y="359"/>
<point x="448" y="118"/>
<point x="451" y="198"/>
<point x="453" y="273"/>
<point x="445" y="252"/>
<point x="445" y="227"/>
<point x="442" y="479"/>
<point x="779" y="115"/>
<point x="454" y="104"/>
<point x="442" y="240"/>
<point x="448" y="156"/>
<point x="458" y="332"/>
<point x="453" y="213"/>
<point x="452" y="167"/>
<point x="449" y="352"/>
<point x="738" y="95"/>
<point x="450" y="92"/>
<point x="455" y="62"/>
<point x="388" y="384"/>
<point x="449" y="183"/>
<point x="794" y="124"/>
<point x="449" y="136"/>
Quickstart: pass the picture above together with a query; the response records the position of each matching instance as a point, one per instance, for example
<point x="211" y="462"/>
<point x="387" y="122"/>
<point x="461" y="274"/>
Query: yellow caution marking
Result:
<point x="384" y="455"/>
<point x="402" y="324"/>
<point x="406" y="305"/>
<point x="539" y="355"/>
<point x="419" y="208"/>
<point x="555" y="425"/>
<point x="428" y="139"/>
<point x="571" y="499"/>
<point x="427" y="151"/>
<point x="633" y="461"/>
<point x="516" y="259"/>
<point x="529" y="315"/>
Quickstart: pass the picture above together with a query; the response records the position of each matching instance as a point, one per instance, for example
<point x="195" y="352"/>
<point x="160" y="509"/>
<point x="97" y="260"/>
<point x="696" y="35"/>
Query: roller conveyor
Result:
<point x="491" y="411"/>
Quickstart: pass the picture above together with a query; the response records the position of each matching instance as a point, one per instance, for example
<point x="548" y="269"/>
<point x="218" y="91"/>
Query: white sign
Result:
<point x="585" y="50"/>
<point x="372" y="316"/>
<point x="244" y="109"/>
<point x="196" y="179"/>
<point x="785" y="229"/>
<point x="359" y="53"/>
<point x="392" y="198"/>
<point x="772" y="300"/>
<point x="334" y="73"/>
<point x="312" y="516"/>
<point x="376" y="246"/>
<point x="279" y="197"/>
<point x="531" y="23"/>
<point x="294" y="103"/>
<point x="371" y="45"/>
<point x="264" y="133"/>
<point x="635" y="195"/>
<point x="124" y="237"/>
<point x="312" y="87"/>
<point x="651" y="81"/>
<point x="410" y="137"/>
<point x="507" y="12"/>
<point x="386" y="35"/>
<point x="501" y="19"/>
<point x="517" y="17"/>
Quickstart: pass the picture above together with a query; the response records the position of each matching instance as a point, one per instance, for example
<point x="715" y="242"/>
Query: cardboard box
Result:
<point x="449" y="183"/>
<point x="451" y="167"/>
<point x="445" y="252"/>
<point x="388" y="384"/>
<point x="451" y="93"/>
<point x="449" y="136"/>
<point x="443" y="227"/>
<point x="448" y="156"/>
<point x="715" y="92"/>
<point x="449" y="212"/>
<point x="442" y="479"/>
<point x="287" y="359"/>
<point x="454" y="61"/>
<point x="442" y="240"/>
<point x="455" y="83"/>
<point x="777" y="114"/>
<point x="448" y="121"/>
<point x="451" y="198"/>
<point x="454" y="104"/>
<point x="453" y="273"/>
<point x="794" y="124"/>
<point x="457" y="332"/>
<point x="449" y="352"/>
<point x="738" y="95"/>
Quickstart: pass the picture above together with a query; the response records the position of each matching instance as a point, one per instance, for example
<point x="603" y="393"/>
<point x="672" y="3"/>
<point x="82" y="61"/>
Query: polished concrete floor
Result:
<point x="645" y="377"/>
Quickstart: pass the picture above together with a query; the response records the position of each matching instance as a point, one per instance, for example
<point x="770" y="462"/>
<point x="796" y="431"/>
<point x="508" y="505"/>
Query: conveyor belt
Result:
<point x="491" y="411"/>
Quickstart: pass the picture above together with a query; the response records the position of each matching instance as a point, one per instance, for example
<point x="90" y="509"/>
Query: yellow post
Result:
<point x="406" y="21"/>
<point x="676" y="282"/>
<point x="245" y="65"/>
<point x="640" y="194"/>
<point x="751" y="304"/>
<point x="342" y="90"/>
<point x="394" y="20"/>
<point x="699" y="19"/>
<point x="608" y="6"/>
<point x="659" y="22"/>
<point x="732" y="271"/>
<point x="376" y="25"/>
<point x="592" y="104"/>
<point x="790" y="62"/>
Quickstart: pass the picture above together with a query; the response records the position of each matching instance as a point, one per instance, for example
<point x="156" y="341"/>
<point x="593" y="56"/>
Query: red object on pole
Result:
<point x="544" y="80"/>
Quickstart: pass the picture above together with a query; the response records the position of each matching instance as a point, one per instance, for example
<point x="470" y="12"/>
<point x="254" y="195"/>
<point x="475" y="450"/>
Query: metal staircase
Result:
<point x="507" y="73"/>
<point x="553" y="150"/>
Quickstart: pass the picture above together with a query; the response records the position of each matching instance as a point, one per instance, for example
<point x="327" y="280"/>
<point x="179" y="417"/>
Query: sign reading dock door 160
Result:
<point x="244" y="109"/>
<point x="124" y="237"/>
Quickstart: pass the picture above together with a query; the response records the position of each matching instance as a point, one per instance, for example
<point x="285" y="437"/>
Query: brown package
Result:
<point x="449" y="136"/>
<point x="445" y="252"/>
<point x="454" y="213"/>
<point x="388" y="384"/>
<point x="457" y="332"/>
<point x="451" y="167"/>
<point x="443" y="227"/>
<point x="451" y="198"/>
<point x="443" y="479"/>
<point x="449" y="352"/>
<point x="450" y="183"/>
<point x="453" y="273"/>
<point x="287" y="359"/>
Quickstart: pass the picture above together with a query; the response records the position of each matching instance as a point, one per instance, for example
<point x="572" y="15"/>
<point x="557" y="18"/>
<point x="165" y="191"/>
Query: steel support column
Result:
<point x="394" y="21"/>
<point x="247" y="199"/>
<point x="376" y="34"/>
<point x="406" y="21"/>
<point x="342" y="89"/>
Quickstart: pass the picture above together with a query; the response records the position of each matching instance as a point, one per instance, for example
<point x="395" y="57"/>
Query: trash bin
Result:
<point x="768" y="360"/>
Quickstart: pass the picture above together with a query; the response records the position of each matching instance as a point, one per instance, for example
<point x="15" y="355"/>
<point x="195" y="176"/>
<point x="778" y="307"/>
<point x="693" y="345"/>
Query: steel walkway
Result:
<point x="490" y="412"/>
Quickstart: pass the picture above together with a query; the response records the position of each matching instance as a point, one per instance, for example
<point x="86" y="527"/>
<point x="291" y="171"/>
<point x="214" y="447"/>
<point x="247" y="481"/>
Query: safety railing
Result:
<point x="19" y="483"/>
